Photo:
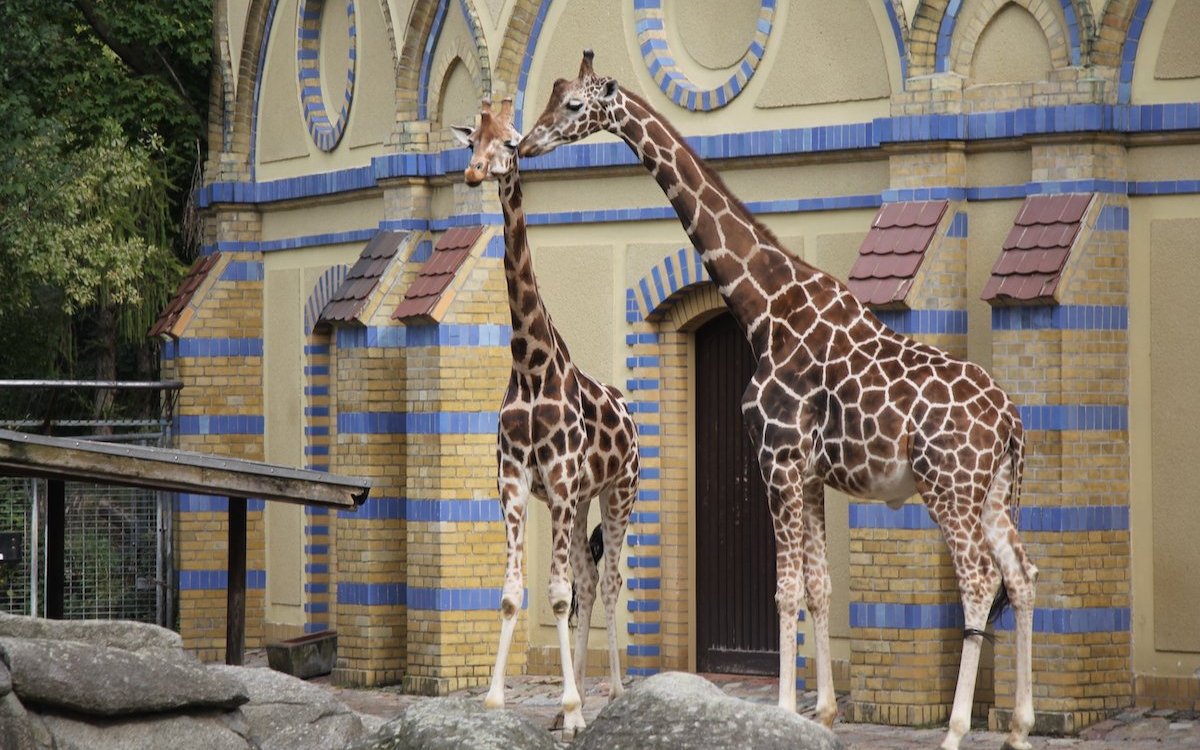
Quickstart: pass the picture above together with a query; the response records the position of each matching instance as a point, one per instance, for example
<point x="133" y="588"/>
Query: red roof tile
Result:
<point x="183" y="295"/>
<point x="891" y="253"/>
<point x="450" y="252"/>
<point x="362" y="278"/>
<point x="1037" y="247"/>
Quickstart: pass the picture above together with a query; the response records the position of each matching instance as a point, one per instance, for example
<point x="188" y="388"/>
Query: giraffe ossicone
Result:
<point x="838" y="399"/>
<point x="563" y="437"/>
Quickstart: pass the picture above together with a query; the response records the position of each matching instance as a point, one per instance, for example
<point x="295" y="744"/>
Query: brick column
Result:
<point x="218" y="356"/>
<point x="905" y="608"/>
<point x="1066" y="365"/>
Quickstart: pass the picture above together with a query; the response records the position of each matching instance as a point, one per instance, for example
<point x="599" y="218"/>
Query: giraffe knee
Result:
<point x="560" y="598"/>
<point x="789" y="597"/>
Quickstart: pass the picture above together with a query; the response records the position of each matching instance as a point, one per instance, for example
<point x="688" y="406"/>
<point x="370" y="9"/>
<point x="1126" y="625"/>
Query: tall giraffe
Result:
<point x="564" y="437"/>
<point x="838" y="399"/>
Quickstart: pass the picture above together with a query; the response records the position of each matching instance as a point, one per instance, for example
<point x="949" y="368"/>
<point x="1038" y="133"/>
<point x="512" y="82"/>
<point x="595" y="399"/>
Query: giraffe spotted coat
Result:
<point x="837" y="399"/>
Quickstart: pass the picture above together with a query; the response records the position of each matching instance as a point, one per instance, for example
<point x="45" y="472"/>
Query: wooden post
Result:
<point x="235" y="609"/>
<point x="56" y="550"/>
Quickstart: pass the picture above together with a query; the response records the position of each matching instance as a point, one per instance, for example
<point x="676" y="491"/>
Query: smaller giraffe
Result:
<point x="564" y="437"/>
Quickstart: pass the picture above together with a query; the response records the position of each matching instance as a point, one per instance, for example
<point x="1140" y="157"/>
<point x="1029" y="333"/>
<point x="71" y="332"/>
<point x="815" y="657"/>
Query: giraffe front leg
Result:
<point x="789" y="589"/>
<point x="514" y="495"/>
<point x="562" y="514"/>
<point x="818" y="586"/>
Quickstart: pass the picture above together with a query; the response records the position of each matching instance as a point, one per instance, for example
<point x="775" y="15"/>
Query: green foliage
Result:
<point x="104" y="104"/>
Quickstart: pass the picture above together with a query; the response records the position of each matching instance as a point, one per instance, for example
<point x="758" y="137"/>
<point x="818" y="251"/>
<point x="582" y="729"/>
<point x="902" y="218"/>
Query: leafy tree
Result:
<point x="104" y="103"/>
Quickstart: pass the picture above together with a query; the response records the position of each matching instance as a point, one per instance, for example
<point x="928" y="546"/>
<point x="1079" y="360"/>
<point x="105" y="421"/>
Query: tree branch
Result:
<point x="133" y="57"/>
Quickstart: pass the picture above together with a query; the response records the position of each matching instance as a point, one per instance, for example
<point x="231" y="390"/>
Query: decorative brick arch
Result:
<point x="415" y="68"/>
<point x="956" y="45"/>
<point x="934" y="24"/>
<point x="1112" y="32"/>
<point x="451" y="53"/>
<point x="516" y="53"/>
<point x="322" y="292"/>
<point x="669" y="280"/>
<point x="319" y="532"/>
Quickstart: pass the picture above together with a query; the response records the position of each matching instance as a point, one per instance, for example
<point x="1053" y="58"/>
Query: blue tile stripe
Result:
<point x="213" y="580"/>
<point x="941" y="616"/>
<point x="417" y="423"/>
<point x="1017" y="123"/>
<point x="914" y="322"/>
<point x="1073" y="620"/>
<point x="243" y="270"/>
<point x="377" y="509"/>
<point x="190" y="503"/>
<point x="1074" y="417"/>
<point x="213" y="347"/>
<point x="440" y="511"/>
<point x="431" y="41"/>
<point x="220" y="424"/>
<point x="445" y="334"/>
<point x="1061" y="318"/>
<point x="1032" y="518"/>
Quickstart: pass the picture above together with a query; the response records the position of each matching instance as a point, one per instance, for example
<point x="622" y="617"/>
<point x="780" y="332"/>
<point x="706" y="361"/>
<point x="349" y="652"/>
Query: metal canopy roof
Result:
<point x="75" y="459"/>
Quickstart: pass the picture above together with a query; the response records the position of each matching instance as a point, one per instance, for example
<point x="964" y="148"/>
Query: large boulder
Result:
<point x="209" y="731"/>
<point x="19" y="729"/>
<point x="131" y="636"/>
<point x="285" y="713"/>
<point x="102" y="681"/>
<point x="677" y="711"/>
<point x="453" y="724"/>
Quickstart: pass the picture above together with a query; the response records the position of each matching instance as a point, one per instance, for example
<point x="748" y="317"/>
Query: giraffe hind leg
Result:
<point x="583" y="594"/>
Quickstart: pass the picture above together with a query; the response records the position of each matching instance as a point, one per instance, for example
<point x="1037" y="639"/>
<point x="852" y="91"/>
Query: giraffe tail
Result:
<point x="1016" y="468"/>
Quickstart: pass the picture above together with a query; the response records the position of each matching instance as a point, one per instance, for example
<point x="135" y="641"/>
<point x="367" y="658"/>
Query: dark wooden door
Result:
<point x="737" y="627"/>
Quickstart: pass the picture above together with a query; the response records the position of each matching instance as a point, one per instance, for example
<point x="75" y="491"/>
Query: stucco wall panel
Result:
<point x="1178" y="56"/>
<point x="1011" y="48"/>
<point x="1156" y="48"/>
<point x="281" y="133"/>
<point x="373" y="115"/>
<point x="578" y="286"/>
<point x="826" y="53"/>
<point x="1174" y="360"/>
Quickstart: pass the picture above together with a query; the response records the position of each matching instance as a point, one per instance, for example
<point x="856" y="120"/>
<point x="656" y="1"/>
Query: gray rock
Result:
<point x="102" y="681"/>
<point x="210" y="731"/>
<point x="19" y="729"/>
<point x="286" y="713"/>
<point x="5" y="678"/>
<point x="131" y="636"/>
<point x="457" y="724"/>
<point x="683" y="711"/>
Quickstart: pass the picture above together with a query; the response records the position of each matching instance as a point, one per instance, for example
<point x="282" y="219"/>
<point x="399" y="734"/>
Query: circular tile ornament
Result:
<point x="656" y="53"/>
<point x="326" y="130"/>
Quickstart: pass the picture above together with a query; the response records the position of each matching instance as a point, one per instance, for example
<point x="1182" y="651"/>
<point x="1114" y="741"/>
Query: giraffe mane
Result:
<point x="714" y="178"/>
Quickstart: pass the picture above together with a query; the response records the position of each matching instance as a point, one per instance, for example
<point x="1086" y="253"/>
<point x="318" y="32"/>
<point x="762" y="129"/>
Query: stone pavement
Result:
<point x="537" y="697"/>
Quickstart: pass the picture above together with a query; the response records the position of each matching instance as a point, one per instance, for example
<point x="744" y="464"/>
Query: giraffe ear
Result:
<point x="462" y="134"/>
<point x="610" y="89"/>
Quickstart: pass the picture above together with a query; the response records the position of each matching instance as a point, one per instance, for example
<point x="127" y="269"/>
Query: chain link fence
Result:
<point x="118" y="540"/>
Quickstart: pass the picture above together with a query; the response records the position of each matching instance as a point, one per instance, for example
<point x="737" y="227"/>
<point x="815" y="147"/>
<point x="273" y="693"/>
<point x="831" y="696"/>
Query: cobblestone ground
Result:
<point x="537" y="697"/>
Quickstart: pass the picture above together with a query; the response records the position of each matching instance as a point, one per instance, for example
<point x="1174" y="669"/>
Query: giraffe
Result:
<point x="564" y="437"/>
<point x="838" y="399"/>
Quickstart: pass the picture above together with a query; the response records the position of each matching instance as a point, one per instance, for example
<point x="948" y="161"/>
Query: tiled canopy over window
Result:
<point x="425" y="292"/>
<point x="1036" y="249"/>
<point x="347" y="302"/>
<point x="176" y="308"/>
<point x="891" y="254"/>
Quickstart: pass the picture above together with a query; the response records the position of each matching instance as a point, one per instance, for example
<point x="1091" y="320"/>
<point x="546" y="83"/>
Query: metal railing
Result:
<point x="118" y="541"/>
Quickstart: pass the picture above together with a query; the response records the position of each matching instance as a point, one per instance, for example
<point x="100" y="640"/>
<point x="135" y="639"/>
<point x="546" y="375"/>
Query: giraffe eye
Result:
<point x="574" y="105"/>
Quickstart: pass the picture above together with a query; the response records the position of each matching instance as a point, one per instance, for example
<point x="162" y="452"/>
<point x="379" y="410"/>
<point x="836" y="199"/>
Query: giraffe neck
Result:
<point x="534" y="339"/>
<point x="742" y="257"/>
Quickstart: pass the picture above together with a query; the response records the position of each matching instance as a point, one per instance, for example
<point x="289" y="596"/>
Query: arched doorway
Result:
<point x="737" y="626"/>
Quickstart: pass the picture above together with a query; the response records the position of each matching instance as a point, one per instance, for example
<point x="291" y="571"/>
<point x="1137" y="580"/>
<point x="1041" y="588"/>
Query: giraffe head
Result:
<point x="576" y="109"/>
<point x="493" y="143"/>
